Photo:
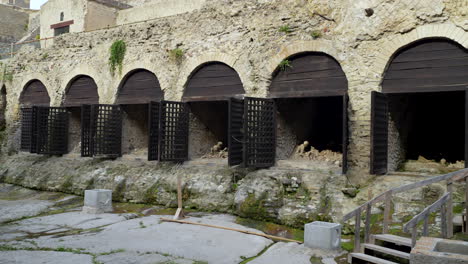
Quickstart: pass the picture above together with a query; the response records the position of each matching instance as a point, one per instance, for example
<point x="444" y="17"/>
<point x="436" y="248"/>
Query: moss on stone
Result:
<point x="254" y="208"/>
<point x="151" y="194"/>
<point x="67" y="185"/>
<point x="118" y="193"/>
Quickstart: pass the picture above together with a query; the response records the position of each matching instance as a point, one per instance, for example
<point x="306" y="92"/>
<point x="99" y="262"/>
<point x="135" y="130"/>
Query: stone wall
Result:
<point x="156" y="9"/>
<point x="14" y="23"/>
<point x="99" y="16"/>
<point x="245" y="35"/>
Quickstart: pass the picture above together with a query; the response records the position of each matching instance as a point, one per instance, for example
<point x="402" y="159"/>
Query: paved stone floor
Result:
<point x="44" y="227"/>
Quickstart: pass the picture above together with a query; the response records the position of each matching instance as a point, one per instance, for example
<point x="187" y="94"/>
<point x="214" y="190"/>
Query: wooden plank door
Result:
<point x="379" y="133"/>
<point x="345" y="140"/>
<point x="466" y="129"/>
<point x="236" y="132"/>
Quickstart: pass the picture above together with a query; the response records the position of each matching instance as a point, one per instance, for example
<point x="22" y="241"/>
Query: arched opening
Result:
<point x="207" y="92"/>
<point x="3" y="105"/>
<point x="310" y="93"/>
<point x="34" y="94"/>
<point x="81" y="90"/>
<point x="137" y="89"/>
<point x="425" y="85"/>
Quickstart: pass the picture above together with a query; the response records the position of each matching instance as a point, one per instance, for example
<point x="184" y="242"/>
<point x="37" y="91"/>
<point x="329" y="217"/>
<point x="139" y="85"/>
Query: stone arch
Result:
<point x="34" y="93"/>
<point x="85" y="70"/>
<point x="391" y="47"/>
<point x="139" y="86"/>
<point x="427" y="65"/>
<point x="212" y="81"/>
<point x="309" y="74"/>
<point x="81" y="89"/>
<point x="193" y="64"/>
<point x="299" y="47"/>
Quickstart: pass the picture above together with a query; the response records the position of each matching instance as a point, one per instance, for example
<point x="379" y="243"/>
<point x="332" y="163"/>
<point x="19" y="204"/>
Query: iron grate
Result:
<point x="174" y="131"/>
<point x="52" y="130"/>
<point x="153" y="124"/>
<point x="260" y="137"/>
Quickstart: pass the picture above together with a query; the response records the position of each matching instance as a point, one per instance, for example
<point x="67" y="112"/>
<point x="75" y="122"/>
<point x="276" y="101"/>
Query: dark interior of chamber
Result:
<point x="214" y="115"/>
<point x="431" y="125"/>
<point x="135" y="128"/>
<point x="316" y="120"/>
<point x="74" y="137"/>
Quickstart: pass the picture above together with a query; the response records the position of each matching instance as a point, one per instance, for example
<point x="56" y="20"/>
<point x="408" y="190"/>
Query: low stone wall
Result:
<point x="280" y="194"/>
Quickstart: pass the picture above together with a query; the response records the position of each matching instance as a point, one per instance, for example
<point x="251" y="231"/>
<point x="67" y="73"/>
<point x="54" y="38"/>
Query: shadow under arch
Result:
<point x="138" y="88"/>
<point x="207" y="91"/>
<point x="424" y="88"/>
<point x="310" y="91"/>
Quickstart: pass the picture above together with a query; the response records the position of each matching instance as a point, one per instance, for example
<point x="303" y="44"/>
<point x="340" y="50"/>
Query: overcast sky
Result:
<point x="36" y="4"/>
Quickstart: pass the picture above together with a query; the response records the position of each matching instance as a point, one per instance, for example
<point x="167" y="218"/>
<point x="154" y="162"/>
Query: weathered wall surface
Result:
<point x="156" y="9"/>
<point x="99" y="16"/>
<point x="244" y="35"/>
<point x="14" y="23"/>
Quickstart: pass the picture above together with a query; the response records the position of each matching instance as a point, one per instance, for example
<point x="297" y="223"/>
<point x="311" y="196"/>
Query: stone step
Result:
<point x="368" y="258"/>
<point x="397" y="240"/>
<point x="387" y="251"/>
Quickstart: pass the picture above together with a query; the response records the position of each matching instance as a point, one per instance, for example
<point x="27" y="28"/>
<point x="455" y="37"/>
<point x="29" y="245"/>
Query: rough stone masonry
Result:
<point x="244" y="35"/>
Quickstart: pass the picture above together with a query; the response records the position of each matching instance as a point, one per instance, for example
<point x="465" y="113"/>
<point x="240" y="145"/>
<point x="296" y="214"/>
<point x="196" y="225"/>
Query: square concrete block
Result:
<point x="97" y="201"/>
<point x="322" y="235"/>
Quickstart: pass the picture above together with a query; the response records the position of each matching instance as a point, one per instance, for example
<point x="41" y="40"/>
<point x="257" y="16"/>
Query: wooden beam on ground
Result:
<point x="233" y="229"/>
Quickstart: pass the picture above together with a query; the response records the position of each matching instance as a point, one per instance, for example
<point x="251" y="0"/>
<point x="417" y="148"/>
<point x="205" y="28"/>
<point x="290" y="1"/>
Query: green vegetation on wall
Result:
<point x="117" y="55"/>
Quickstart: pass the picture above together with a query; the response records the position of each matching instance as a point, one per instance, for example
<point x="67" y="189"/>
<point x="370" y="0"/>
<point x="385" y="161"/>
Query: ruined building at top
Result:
<point x="232" y="94"/>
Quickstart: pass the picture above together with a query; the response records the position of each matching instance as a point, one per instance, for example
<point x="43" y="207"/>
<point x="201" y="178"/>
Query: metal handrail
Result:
<point x="386" y="197"/>
<point x="424" y="215"/>
<point x="451" y="177"/>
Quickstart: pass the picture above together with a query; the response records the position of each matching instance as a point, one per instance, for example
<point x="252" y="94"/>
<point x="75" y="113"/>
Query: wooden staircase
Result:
<point x="383" y="249"/>
<point x="391" y="249"/>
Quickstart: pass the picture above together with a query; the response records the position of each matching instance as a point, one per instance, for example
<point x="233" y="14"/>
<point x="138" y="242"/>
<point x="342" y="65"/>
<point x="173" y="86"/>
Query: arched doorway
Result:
<point x="310" y="91"/>
<point x="137" y="89"/>
<point x="34" y="94"/>
<point x="207" y="92"/>
<point x="420" y="114"/>
<point x="81" y="90"/>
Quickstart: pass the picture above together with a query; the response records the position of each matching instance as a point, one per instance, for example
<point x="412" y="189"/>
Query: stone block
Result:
<point x="97" y="201"/>
<point x="322" y="235"/>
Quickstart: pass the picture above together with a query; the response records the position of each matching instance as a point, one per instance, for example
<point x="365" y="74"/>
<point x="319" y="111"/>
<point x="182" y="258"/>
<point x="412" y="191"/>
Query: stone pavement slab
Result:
<point x="43" y="257"/>
<point x="141" y="258"/>
<point x="12" y="210"/>
<point x="282" y="252"/>
<point x="149" y="234"/>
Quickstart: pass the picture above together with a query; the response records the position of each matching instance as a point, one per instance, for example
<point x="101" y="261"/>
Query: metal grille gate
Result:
<point x="174" y="130"/>
<point x="101" y="130"/>
<point x="26" y="129"/>
<point x="260" y="132"/>
<point x="52" y="130"/>
<point x="153" y="125"/>
<point x="86" y="146"/>
<point x="379" y="133"/>
<point x="106" y="128"/>
<point x="236" y="132"/>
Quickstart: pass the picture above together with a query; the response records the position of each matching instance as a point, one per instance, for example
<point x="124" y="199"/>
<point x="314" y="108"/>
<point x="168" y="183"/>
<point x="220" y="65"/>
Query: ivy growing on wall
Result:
<point x="5" y="74"/>
<point x="117" y="55"/>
